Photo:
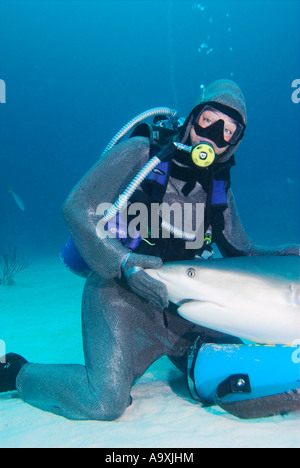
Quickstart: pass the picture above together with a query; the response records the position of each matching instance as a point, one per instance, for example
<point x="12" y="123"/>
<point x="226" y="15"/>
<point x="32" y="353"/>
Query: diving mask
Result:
<point x="223" y="133"/>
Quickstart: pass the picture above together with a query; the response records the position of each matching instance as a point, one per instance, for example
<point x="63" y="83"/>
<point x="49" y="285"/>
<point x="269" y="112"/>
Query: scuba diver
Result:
<point x="127" y="321"/>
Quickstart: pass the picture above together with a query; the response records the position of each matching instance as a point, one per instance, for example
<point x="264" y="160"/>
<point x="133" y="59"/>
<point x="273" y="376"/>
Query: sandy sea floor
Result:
<point x="40" y="318"/>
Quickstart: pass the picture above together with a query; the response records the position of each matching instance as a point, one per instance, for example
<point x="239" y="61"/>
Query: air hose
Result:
<point x="173" y="114"/>
<point x="124" y="198"/>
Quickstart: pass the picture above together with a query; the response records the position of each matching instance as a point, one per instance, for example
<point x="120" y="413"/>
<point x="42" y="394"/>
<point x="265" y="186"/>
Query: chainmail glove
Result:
<point x="141" y="283"/>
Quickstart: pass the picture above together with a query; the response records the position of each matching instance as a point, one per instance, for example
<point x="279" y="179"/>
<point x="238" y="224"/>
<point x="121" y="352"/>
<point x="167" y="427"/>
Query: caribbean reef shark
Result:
<point x="253" y="298"/>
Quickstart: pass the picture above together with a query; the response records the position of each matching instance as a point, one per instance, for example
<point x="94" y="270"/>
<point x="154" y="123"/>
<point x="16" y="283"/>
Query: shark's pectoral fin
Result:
<point x="201" y="313"/>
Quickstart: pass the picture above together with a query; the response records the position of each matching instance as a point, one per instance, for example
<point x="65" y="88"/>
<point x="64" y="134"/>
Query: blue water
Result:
<point x="77" y="71"/>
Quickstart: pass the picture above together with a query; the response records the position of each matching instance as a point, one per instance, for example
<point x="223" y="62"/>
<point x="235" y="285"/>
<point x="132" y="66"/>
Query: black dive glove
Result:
<point x="141" y="283"/>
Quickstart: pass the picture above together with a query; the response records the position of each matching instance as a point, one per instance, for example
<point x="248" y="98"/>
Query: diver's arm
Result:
<point x="233" y="241"/>
<point x="103" y="183"/>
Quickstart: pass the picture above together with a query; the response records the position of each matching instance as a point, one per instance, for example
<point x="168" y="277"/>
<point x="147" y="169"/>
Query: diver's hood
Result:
<point x="224" y="92"/>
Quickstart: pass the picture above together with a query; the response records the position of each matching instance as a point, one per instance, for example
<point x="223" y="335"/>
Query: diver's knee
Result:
<point x="107" y="409"/>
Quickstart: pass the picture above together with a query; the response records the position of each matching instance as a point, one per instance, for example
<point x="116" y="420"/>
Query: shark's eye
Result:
<point x="191" y="272"/>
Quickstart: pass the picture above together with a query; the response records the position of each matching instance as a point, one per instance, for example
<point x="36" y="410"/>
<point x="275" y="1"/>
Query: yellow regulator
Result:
<point x="203" y="155"/>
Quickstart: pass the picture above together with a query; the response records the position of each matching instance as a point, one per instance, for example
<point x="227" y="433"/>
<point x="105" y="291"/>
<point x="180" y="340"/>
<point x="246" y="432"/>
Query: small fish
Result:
<point x="290" y="181"/>
<point x="18" y="200"/>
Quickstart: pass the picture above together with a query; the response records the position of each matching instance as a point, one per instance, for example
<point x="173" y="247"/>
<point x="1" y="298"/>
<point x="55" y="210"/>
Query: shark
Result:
<point x="254" y="298"/>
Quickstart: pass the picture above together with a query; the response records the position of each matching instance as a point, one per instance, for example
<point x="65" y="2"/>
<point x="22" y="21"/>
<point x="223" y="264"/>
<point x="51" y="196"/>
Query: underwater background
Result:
<point x="77" y="70"/>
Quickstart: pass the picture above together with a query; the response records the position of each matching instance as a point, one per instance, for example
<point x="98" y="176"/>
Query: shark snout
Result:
<point x="178" y="280"/>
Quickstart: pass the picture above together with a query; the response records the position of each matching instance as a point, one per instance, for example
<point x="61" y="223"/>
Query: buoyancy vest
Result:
<point x="153" y="190"/>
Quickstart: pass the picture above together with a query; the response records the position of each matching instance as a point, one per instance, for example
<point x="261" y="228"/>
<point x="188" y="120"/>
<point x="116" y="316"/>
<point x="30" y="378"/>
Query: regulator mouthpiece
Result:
<point x="203" y="155"/>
